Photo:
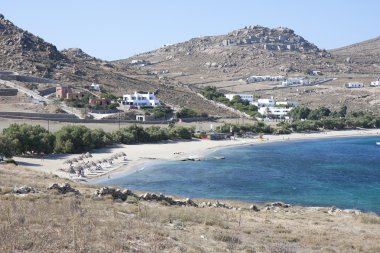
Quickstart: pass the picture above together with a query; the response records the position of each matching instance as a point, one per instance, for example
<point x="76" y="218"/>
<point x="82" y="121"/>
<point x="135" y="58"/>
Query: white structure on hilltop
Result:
<point x="140" y="99"/>
<point x="354" y="85"/>
<point x="247" y="97"/>
<point x="376" y="83"/>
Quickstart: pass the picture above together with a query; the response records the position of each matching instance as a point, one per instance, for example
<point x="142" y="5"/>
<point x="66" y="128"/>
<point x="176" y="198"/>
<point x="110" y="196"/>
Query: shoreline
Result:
<point x="140" y="154"/>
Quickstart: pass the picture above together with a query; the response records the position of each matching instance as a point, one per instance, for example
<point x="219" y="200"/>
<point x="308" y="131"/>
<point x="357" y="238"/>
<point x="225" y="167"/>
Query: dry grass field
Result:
<point x="47" y="221"/>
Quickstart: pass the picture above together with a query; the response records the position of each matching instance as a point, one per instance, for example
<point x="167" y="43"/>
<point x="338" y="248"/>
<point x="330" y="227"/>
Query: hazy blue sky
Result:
<point x="117" y="29"/>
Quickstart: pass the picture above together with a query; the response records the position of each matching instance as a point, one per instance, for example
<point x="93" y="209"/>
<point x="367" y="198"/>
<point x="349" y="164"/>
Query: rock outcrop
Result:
<point x="24" y="190"/>
<point x="63" y="188"/>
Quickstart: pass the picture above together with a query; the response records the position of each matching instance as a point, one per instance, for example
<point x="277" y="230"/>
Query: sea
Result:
<point x="341" y="172"/>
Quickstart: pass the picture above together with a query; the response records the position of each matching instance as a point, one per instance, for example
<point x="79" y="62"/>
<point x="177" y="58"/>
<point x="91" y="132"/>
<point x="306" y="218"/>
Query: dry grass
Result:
<point x="370" y="218"/>
<point x="48" y="222"/>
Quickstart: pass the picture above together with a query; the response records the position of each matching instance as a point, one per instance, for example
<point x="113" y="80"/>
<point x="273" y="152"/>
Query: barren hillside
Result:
<point x="253" y="50"/>
<point x="27" y="54"/>
<point x="362" y="57"/>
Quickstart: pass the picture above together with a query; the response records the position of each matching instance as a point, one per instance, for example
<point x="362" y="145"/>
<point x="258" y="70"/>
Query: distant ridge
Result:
<point x="364" y="47"/>
<point x="252" y="50"/>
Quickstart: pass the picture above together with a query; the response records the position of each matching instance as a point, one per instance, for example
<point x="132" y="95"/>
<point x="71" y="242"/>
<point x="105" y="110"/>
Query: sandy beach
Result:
<point x="170" y="150"/>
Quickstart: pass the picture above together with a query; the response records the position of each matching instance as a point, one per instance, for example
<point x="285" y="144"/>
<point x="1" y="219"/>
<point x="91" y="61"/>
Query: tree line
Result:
<point x="19" y="139"/>
<point x="306" y="119"/>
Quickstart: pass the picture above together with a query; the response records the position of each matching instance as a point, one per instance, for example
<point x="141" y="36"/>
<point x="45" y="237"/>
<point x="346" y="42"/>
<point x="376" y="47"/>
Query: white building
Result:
<point x="354" y="85"/>
<point x="140" y="99"/>
<point x="95" y="87"/>
<point x="247" y="97"/>
<point x="279" y="112"/>
<point x="288" y="104"/>
<point x="293" y="81"/>
<point x="375" y="83"/>
<point x="253" y="79"/>
<point x="265" y="102"/>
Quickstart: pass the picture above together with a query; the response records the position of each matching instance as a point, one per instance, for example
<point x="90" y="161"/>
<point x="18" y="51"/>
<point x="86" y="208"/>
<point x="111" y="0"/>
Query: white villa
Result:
<point x="140" y="99"/>
<point x="248" y="97"/>
<point x="280" y="112"/>
<point x="354" y="85"/>
<point x="269" y="107"/>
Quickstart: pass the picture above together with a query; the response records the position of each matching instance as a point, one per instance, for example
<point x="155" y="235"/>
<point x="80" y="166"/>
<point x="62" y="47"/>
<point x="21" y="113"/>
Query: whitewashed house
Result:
<point x="247" y="97"/>
<point x="354" y="85"/>
<point x="278" y="112"/>
<point x="270" y="108"/>
<point x="140" y="99"/>
<point x="265" y="102"/>
<point x="294" y="81"/>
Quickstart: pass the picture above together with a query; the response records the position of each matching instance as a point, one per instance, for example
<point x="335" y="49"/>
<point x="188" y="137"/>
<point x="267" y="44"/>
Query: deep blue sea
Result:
<point x="342" y="172"/>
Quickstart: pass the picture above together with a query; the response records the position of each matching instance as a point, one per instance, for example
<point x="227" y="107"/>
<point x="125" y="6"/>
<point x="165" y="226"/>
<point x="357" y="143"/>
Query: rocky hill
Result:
<point x="253" y="50"/>
<point x="25" y="53"/>
<point x="363" y="57"/>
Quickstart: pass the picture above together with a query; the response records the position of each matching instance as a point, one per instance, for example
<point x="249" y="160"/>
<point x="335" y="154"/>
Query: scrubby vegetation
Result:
<point x="158" y="112"/>
<point x="236" y="103"/>
<point x="76" y="139"/>
<point x="258" y="127"/>
<point x="305" y="119"/>
<point x="22" y="139"/>
<point x="189" y="113"/>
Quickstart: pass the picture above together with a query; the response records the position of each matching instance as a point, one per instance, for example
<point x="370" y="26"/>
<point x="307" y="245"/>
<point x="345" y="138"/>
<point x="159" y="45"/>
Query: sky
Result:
<point x="118" y="29"/>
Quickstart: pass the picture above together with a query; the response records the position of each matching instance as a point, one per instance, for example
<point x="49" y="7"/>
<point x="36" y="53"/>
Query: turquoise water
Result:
<point x="344" y="172"/>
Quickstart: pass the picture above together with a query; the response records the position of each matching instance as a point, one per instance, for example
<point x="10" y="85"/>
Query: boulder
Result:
<point x="276" y="205"/>
<point x="254" y="208"/>
<point x="116" y="194"/>
<point x="24" y="190"/>
<point x="63" y="189"/>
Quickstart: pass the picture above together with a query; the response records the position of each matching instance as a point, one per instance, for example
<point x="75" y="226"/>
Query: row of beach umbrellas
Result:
<point x="90" y="164"/>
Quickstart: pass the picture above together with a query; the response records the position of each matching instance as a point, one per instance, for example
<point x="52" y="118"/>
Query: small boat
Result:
<point x="378" y="143"/>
